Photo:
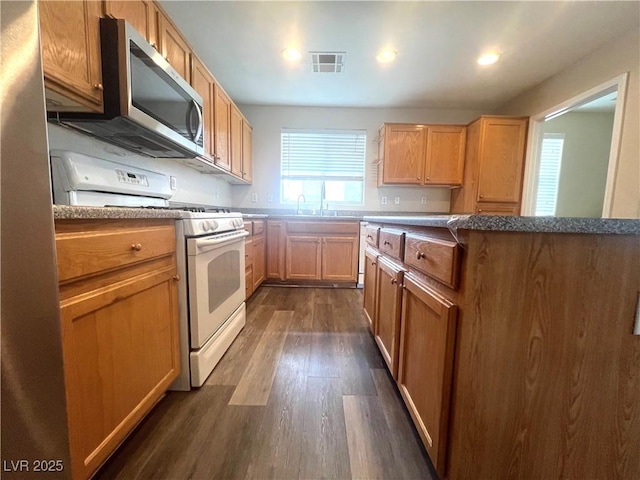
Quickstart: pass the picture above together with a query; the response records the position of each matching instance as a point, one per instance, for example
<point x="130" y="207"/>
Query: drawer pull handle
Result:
<point x="176" y="278"/>
<point x="369" y="236"/>
<point x="136" y="246"/>
<point x="420" y="255"/>
<point x="393" y="281"/>
<point x="479" y="210"/>
<point x="387" y="242"/>
<point x="98" y="86"/>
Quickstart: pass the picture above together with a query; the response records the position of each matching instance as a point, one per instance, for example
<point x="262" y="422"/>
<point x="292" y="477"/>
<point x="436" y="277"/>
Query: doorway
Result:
<point x="573" y="154"/>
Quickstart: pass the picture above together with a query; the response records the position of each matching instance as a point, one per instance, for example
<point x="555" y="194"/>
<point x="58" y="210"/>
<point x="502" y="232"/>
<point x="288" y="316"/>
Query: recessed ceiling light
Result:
<point x="386" y="56"/>
<point x="291" y="54"/>
<point x="488" y="58"/>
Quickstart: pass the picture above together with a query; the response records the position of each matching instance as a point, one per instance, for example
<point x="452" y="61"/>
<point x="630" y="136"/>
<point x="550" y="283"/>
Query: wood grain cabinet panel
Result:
<point x="203" y="82"/>
<point x="247" y="152"/>
<point x="222" y="130"/>
<point x="303" y="258"/>
<point x="391" y="242"/>
<point x="119" y="339"/>
<point x="71" y="59"/>
<point x="141" y="14"/>
<point x="426" y="364"/>
<point x="275" y="249"/>
<point x="404" y="154"/>
<point x="497" y="208"/>
<point x="339" y="259"/>
<point x="235" y="135"/>
<point x="173" y="47"/>
<point x="370" y="292"/>
<point x="258" y="227"/>
<point x="444" y="163"/>
<point x="259" y="251"/>
<point x="389" y="298"/>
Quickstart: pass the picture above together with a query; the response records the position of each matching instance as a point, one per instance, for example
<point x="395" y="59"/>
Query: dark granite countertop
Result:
<point x="68" y="212"/>
<point x="517" y="224"/>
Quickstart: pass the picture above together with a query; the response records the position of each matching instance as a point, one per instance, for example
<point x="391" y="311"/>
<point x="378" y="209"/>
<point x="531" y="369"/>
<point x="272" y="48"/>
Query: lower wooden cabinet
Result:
<point x="303" y="258"/>
<point x="248" y="263"/>
<point x="339" y="259"/>
<point x="119" y="331"/>
<point x="258" y="261"/>
<point x="425" y="371"/>
<point x="389" y="297"/>
<point x="275" y="249"/>
<point x="370" y="292"/>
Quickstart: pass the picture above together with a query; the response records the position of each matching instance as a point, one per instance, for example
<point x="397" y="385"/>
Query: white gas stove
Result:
<point x="209" y="253"/>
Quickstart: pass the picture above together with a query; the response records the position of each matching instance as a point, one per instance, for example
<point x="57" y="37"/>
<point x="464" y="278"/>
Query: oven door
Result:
<point x="216" y="282"/>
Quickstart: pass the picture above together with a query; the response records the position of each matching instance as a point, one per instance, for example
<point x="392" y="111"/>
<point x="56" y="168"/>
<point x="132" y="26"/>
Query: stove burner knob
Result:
<point x="204" y="227"/>
<point x="212" y="225"/>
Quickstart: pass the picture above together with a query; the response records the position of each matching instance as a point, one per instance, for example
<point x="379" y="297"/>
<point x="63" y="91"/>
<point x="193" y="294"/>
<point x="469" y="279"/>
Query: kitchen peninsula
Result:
<point x="511" y="340"/>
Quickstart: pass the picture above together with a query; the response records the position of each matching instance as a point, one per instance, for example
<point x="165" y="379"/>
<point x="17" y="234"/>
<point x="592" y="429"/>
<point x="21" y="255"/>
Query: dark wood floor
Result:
<point x="302" y="393"/>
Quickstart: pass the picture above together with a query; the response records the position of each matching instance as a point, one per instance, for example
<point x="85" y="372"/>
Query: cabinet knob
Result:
<point x="420" y="255"/>
<point x="387" y="242"/>
<point x="479" y="210"/>
<point x="393" y="281"/>
<point x="176" y="278"/>
<point x="481" y="196"/>
<point x="373" y="264"/>
<point x="428" y="178"/>
<point x="99" y="86"/>
<point x="154" y="45"/>
<point x="136" y="246"/>
<point x="369" y="236"/>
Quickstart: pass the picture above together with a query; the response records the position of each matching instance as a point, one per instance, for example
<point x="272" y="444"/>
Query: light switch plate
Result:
<point x="254" y="197"/>
<point x="423" y="200"/>
<point x="270" y="198"/>
<point x="396" y="200"/>
<point x="383" y="200"/>
<point x="173" y="183"/>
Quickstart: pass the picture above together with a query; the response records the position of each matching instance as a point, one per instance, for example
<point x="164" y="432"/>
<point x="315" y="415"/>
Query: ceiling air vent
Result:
<point x="328" y="62"/>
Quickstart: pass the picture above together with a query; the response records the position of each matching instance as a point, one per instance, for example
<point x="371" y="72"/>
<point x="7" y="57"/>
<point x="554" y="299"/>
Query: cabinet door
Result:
<point x="404" y="154"/>
<point x="222" y="117"/>
<point x="71" y="60"/>
<point x="203" y="83"/>
<point x="248" y="282"/>
<point x="370" y="283"/>
<point x="247" y="152"/>
<point x="502" y="144"/>
<point x="121" y="353"/>
<point x="139" y="13"/>
<point x="340" y="259"/>
<point x="445" y="155"/>
<point x="426" y="364"/>
<point x="275" y="249"/>
<point x="303" y="258"/>
<point x="174" y="47"/>
<point x="258" y="261"/>
<point x="387" y="331"/>
<point x="235" y="128"/>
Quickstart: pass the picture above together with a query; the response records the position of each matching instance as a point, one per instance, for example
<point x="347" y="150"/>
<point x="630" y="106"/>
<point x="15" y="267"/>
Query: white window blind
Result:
<point x="549" y="174"/>
<point x="311" y="157"/>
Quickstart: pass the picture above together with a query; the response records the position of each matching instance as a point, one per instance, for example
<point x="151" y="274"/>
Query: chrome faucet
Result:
<point x="298" y="211"/>
<point x="322" y="195"/>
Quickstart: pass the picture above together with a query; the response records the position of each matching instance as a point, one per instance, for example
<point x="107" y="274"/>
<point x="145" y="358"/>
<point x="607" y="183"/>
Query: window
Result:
<point x="311" y="157"/>
<point x="549" y="175"/>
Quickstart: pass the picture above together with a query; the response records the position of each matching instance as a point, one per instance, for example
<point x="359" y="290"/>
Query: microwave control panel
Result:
<point x="132" y="178"/>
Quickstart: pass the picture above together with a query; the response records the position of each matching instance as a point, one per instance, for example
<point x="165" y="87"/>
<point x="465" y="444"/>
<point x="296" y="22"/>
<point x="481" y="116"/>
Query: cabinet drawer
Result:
<point x="437" y="258"/>
<point x="248" y="226"/>
<point x="85" y="250"/>
<point x="371" y="235"/>
<point x="258" y="227"/>
<point x="496" y="208"/>
<point x="391" y="242"/>
<point x="322" y="226"/>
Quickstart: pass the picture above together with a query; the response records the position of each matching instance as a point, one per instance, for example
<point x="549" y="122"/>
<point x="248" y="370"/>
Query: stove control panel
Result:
<point x="132" y="178"/>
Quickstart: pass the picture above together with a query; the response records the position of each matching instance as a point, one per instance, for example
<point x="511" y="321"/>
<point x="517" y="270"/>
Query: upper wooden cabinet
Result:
<point x="494" y="167"/>
<point x="202" y="82"/>
<point x="421" y="154"/>
<point x="235" y="135"/>
<point x="173" y="47"/>
<point x="71" y="59"/>
<point x="142" y="14"/>
<point x="247" y="152"/>
<point x="222" y="133"/>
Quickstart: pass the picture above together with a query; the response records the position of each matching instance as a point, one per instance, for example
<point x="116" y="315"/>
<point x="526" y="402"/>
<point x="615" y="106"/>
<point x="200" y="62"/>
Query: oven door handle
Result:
<point x="210" y="242"/>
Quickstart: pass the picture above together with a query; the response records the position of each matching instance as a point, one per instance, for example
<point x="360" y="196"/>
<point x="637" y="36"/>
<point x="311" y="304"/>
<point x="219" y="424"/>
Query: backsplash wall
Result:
<point x="192" y="186"/>
<point x="268" y="121"/>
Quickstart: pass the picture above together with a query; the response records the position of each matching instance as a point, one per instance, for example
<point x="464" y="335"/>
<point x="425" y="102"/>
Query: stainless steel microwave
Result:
<point x="148" y="107"/>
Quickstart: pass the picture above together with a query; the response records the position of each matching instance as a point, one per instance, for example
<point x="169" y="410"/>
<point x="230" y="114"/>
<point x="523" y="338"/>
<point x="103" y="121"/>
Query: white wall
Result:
<point x="268" y="121"/>
<point x="193" y="186"/>
<point x="613" y="59"/>
<point x="585" y="158"/>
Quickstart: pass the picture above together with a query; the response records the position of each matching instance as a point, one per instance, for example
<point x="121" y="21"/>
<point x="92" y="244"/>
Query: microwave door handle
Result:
<point x="190" y="120"/>
<point x="200" y="122"/>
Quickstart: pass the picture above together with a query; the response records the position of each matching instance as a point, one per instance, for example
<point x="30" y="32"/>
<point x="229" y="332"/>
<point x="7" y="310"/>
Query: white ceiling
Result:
<point x="437" y="43"/>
